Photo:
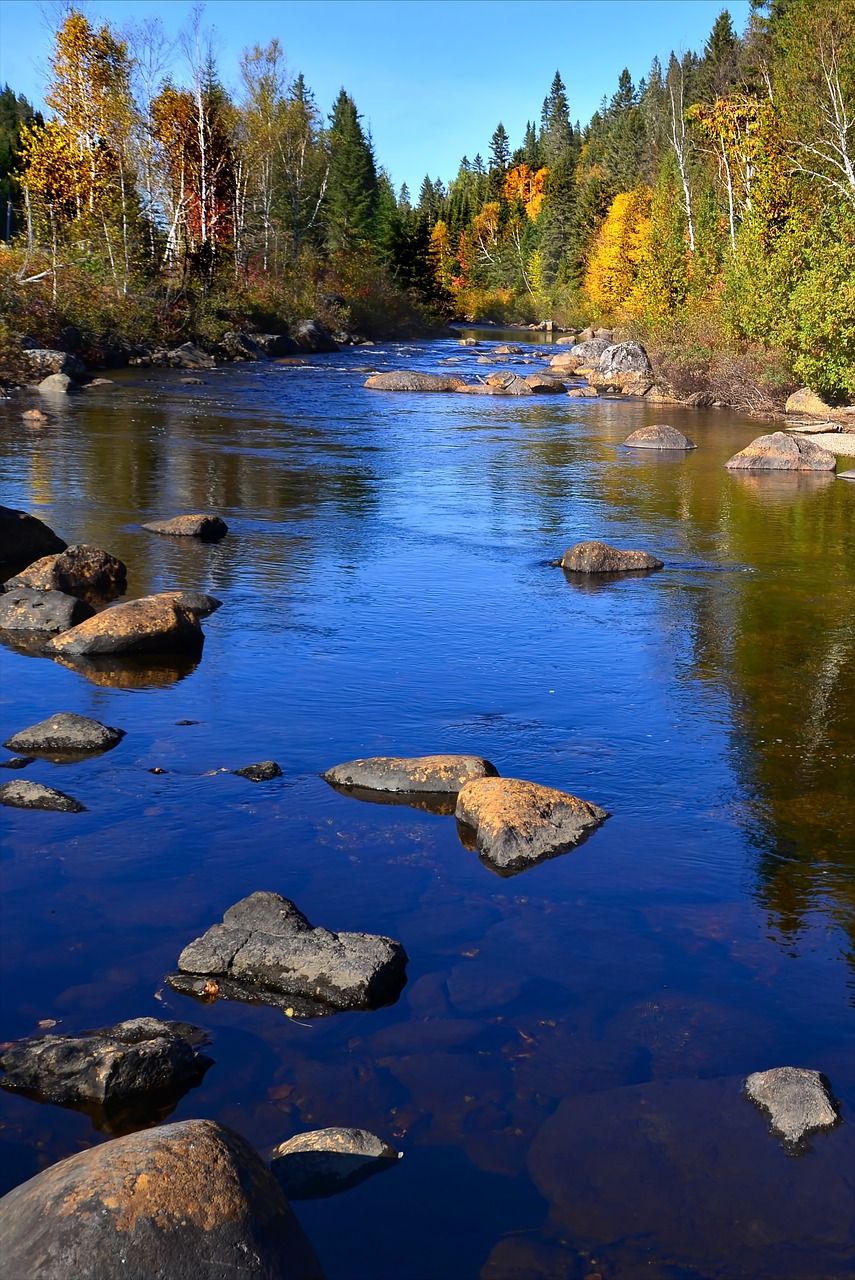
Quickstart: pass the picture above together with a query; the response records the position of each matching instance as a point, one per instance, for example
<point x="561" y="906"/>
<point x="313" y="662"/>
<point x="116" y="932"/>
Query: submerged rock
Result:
<point x="208" y="527"/>
<point x="434" y="774"/>
<point x="517" y="823"/>
<point x="17" y="762"/>
<point x="599" y="557"/>
<point x="782" y="452"/>
<point x="658" y="436"/>
<point x="410" y="380"/>
<point x="190" y="1199"/>
<point x="23" y="538"/>
<point x="25" y="609"/>
<point x="152" y="624"/>
<point x="264" y="771"/>
<point x="326" y="1161"/>
<point x="21" y="794"/>
<point x="265" y="949"/>
<point x="798" y="1101"/>
<point x="78" y="571"/>
<point x="65" y="734"/>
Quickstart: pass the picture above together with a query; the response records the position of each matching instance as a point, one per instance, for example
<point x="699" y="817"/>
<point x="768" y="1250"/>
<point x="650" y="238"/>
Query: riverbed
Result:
<point x="563" y="1069"/>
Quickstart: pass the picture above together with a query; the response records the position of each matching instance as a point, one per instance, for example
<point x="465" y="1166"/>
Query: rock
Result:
<point x="846" y="475"/>
<point x="16" y="762"/>
<point x="468" y="342"/>
<point x="196" y="602"/>
<point x="78" y="571"/>
<point x="276" y="344"/>
<point x="658" y="394"/>
<point x="311" y="335"/>
<point x="798" y="1101"/>
<point x="21" y="794"/>
<point x="42" y="363"/>
<point x="56" y="384"/>
<point x="507" y="350"/>
<point x="625" y="357"/>
<point x="599" y="557"/>
<point x="189" y="356"/>
<point x="782" y="452"/>
<point x="240" y="346"/>
<point x="114" y="1067"/>
<point x="808" y="402"/>
<point x="658" y="436"/>
<point x="23" y="609"/>
<point x="99" y="383"/>
<point x="209" y="528"/>
<point x="607" y="334"/>
<point x="269" y="951"/>
<point x="542" y="384"/>
<point x="23" y="538"/>
<point x="192" y="382"/>
<point x="517" y="824"/>
<point x="152" y="624"/>
<point x="582" y="393"/>
<point x="189" y="1200"/>
<point x="410" y="380"/>
<point x="35" y="417"/>
<point x="590" y="351"/>
<point x="265" y="771"/>
<point x="699" y="400"/>
<point x="326" y="1161"/>
<point x="432" y="774"/>
<point x="65" y="734"/>
<point x="500" y="384"/>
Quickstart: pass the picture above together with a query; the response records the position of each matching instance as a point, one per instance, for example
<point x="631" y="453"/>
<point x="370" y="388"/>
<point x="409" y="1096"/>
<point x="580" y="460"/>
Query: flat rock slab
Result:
<point x="21" y="794"/>
<point x="443" y="774"/>
<point x="152" y="624"/>
<point x="781" y="451"/>
<point x="599" y="557"/>
<point x="189" y="1200"/>
<point x="846" y="475"/>
<point x="80" y="570"/>
<point x="206" y="527"/>
<point x="23" y="538"/>
<point x="797" y="1099"/>
<point x="113" y="1067"/>
<point x="65" y="734"/>
<point x="46" y="612"/>
<point x="264" y="771"/>
<point x="517" y="824"/>
<point x="409" y="380"/>
<point x="327" y="1161"/>
<point x="266" y="949"/>
<point x="658" y="436"/>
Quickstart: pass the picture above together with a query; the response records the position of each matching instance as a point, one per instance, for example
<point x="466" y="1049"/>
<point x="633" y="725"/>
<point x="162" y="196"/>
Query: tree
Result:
<point x="556" y="131"/>
<point x="15" y="113"/>
<point x="618" y="250"/>
<point x="500" y="150"/>
<point x="678" y="136"/>
<point x="719" y="65"/>
<point x="351" y="196"/>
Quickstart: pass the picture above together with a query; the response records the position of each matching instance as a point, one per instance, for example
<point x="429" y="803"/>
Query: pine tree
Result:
<point x="556" y="132"/>
<point x="351" y="196"/>
<point x="500" y="150"/>
<point x="720" y="62"/>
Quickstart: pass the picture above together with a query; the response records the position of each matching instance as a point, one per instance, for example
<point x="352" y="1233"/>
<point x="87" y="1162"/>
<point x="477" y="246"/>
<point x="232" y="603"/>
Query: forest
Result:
<point x="708" y="210"/>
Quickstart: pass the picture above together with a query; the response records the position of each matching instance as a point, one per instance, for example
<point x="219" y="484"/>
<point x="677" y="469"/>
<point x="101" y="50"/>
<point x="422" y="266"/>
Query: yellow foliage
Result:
<point x="53" y="171"/>
<point x="528" y="186"/>
<point x="619" y="250"/>
<point x="441" y="256"/>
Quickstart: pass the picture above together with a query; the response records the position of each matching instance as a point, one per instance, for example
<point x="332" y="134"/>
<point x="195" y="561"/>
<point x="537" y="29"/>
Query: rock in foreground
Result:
<point x="65" y="734"/>
<point x="207" y="527"/>
<point x="326" y="1161"/>
<point x="435" y="774"/>
<point x="797" y="1100"/>
<point x="189" y="1200"/>
<point x="23" y="538"/>
<point x="152" y="624"/>
<point x="782" y="452"/>
<point x="658" y="436"/>
<point x="78" y="571"/>
<point x="599" y="557"/>
<point x="517" y="824"/>
<point x="21" y="794"/>
<point x="25" y="609"/>
<point x="266" y="950"/>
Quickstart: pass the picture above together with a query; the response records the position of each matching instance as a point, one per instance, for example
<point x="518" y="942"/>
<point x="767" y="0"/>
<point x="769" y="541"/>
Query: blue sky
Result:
<point x="432" y="78"/>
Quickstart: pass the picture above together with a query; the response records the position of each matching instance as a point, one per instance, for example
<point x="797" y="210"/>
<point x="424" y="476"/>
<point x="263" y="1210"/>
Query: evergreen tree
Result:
<point x="719" y="65"/>
<point x="351" y="196"/>
<point x="500" y="150"/>
<point x="556" y="131"/>
<point x="15" y="112"/>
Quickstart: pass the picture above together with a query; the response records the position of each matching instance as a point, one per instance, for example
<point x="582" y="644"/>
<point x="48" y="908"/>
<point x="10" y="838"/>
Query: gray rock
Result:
<point x="207" y="527"/>
<point x="277" y="344"/>
<point x="65" y="734"/>
<point x="42" y="362"/>
<point x="190" y="356"/>
<point x="195" y="602"/>
<point x="311" y="335"/>
<point x="782" y="452"/>
<point x="436" y="775"/>
<point x="266" y="948"/>
<point x="517" y="824"/>
<point x="57" y="384"/>
<point x="798" y="1101"/>
<point x="599" y="557"/>
<point x="21" y="794"/>
<point x="412" y="380"/>
<point x="658" y="436"/>
<point x="326" y="1161"/>
<point x="264" y="771"/>
<point x="240" y="346"/>
<point x="151" y="625"/>
<point x="589" y="352"/>
<point x="624" y="357"/>
<point x="846" y="475"/>
<point x="23" y="538"/>
<point x="189" y="1200"/>
<point x="25" y="609"/>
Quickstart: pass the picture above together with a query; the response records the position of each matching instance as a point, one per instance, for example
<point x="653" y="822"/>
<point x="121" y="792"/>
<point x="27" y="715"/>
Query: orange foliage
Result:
<point x="528" y="186"/>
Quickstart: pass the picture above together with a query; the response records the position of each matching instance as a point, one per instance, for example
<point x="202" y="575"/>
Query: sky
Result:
<point x="431" y="78"/>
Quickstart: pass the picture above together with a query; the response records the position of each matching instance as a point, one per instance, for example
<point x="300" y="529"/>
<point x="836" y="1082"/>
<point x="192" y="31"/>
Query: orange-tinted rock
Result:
<point x="441" y="774"/>
<point x="658" y="436"/>
<point x="518" y="823"/>
<point x="152" y="624"/>
<point x="782" y="452"/>
<point x="80" y="570"/>
<point x="205" y="526"/>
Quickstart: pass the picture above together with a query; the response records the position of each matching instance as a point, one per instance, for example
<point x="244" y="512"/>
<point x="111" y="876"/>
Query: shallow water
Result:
<point x="563" y="1068"/>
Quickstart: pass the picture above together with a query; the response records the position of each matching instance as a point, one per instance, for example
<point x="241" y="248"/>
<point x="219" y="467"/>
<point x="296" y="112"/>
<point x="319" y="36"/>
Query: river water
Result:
<point x="563" y="1070"/>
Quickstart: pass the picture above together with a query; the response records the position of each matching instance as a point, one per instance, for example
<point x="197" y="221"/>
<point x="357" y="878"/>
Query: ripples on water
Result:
<point x="563" y="1067"/>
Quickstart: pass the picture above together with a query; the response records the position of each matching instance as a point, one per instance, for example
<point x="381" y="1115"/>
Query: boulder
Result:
<point x="152" y="624"/>
<point x="782" y="452"/>
<point x="21" y="794"/>
<point x="65" y="734"/>
<point x="311" y="335"/>
<point x="797" y="1100"/>
<point x="582" y="393"/>
<point x="80" y="570"/>
<point x="589" y="352"/>
<point x="500" y="384"/>
<point x="35" y="417"/>
<point x="657" y="394"/>
<point x="326" y="1161"/>
<point x="623" y="358"/>
<point x="846" y="475"/>
<point x="517" y="823"/>
<point x="266" y="950"/>
<point x="17" y="762"/>
<point x="565" y="362"/>
<point x="56" y="384"/>
<point x="410" y="380"/>
<point x="114" y="1067"/>
<point x="264" y="771"/>
<point x="240" y="346"/>
<point x="658" y="436"/>
<point x="23" y="609"/>
<point x="431" y="774"/>
<point x="189" y="356"/>
<point x="607" y="334"/>
<point x="542" y="384"/>
<point x="207" y="527"/>
<point x="507" y="350"/>
<point x="599" y="557"/>
<point x="189" y="1200"/>
<point x="42" y="362"/>
<point x="809" y="403"/>
<point x="276" y="344"/>
<point x="23" y="538"/>
<point x="196" y="602"/>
